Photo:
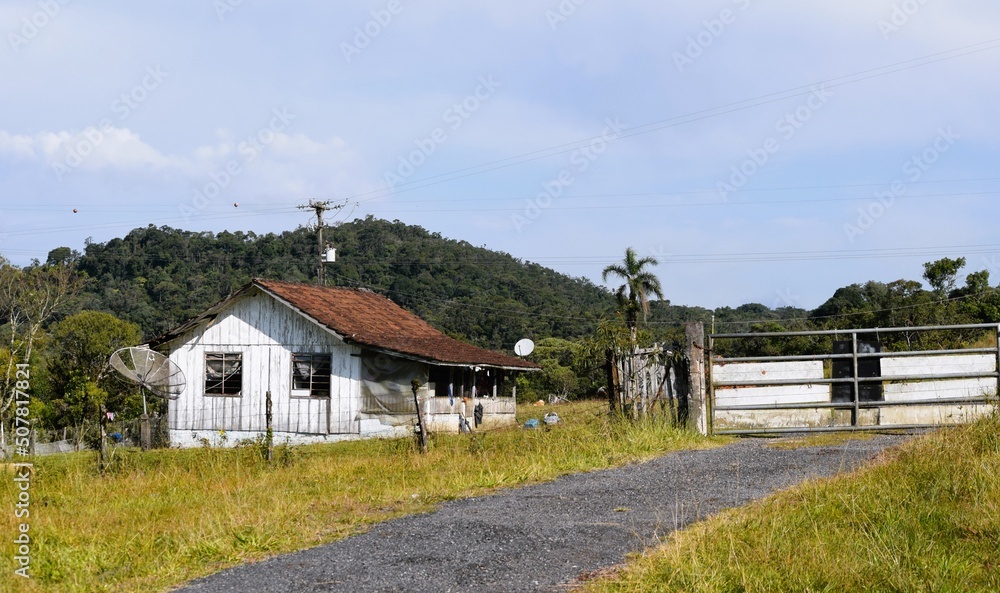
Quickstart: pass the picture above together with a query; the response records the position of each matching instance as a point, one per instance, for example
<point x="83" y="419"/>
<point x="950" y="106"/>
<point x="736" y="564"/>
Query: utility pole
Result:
<point x="320" y="208"/>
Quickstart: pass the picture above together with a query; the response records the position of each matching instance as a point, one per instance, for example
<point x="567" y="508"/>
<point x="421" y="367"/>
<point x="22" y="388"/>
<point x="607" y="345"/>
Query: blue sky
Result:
<point x="763" y="150"/>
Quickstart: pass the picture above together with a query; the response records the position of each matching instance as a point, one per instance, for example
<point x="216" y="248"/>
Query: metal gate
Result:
<point x="862" y="379"/>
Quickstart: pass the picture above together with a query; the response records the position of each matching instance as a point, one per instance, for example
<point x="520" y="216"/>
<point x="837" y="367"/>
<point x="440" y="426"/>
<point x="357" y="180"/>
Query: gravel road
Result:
<point x="540" y="538"/>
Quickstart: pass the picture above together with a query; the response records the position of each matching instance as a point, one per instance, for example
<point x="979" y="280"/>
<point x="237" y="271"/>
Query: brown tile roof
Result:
<point x="371" y="320"/>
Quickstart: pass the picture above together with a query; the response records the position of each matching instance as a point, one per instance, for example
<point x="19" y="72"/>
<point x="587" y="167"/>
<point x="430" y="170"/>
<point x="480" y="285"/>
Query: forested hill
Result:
<point x="159" y="277"/>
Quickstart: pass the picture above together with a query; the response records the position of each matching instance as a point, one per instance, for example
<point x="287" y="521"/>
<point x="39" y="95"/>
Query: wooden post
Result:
<point x="697" y="400"/>
<point x="102" y="449"/>
<point x="422" y="429"/>
<point x="269" y="438"/>
<point x="609" y="372"/>
<point x="145" y="436"/>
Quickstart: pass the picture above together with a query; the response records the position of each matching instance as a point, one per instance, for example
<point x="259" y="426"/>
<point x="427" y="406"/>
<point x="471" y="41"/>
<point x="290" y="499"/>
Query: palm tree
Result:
<point x="640" y="283"/>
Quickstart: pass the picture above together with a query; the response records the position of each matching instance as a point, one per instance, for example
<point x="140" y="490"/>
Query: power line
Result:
<point x="494" y="258"/>
<point x="727" y="204"/>
<point x="269" y="207"/>
<point x="455" y="302"/>
<point x="714" y="192"/>
<point x="625" y="133"/>
<point x="867" y="312"/>
<point x="688" y="204"/>
<point x="683" y="119"/>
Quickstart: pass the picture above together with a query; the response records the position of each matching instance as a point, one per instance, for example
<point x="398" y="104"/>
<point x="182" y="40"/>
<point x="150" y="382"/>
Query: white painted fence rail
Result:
<point x="775" y="394"/>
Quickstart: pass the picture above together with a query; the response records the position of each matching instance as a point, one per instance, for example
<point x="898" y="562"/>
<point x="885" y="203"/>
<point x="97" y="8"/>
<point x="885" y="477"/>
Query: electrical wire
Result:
<point x="859" y="313"/>
<point x="674" y="121"/>
<point x="729" y="203"/>
<point x="278" y="207"/>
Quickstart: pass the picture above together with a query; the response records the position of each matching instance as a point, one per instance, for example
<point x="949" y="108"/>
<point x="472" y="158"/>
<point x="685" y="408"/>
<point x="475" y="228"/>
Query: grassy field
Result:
<point x="161" y="518"/>
<point x="925" y="518"/>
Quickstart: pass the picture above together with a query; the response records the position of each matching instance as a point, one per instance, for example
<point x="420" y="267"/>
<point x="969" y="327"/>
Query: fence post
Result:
<point x="856" y="410"/>
<point x="610" y="375"/>
<point x="422" y="434"/>
<point x="145" y="437"/>
<point x="996" y="334"/>
<point x="270" y="430"/>
<point x="697" y="413"/>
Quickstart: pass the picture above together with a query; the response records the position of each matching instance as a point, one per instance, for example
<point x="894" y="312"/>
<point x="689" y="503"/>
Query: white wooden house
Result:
<point x="336" y="363"/>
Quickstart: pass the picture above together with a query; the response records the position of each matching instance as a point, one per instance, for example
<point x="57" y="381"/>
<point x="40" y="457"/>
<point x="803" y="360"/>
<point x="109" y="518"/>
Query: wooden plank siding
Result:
<point x="266" y="333"/>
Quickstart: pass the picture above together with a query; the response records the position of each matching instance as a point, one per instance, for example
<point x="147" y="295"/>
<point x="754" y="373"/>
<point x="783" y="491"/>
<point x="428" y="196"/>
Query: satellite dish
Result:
<point x="152" y="371"/>
<point x="524" y="347"/>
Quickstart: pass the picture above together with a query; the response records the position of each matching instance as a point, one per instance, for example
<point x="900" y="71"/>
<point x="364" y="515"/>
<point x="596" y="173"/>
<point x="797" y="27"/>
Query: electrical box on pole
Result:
<point x="326" y="253"/>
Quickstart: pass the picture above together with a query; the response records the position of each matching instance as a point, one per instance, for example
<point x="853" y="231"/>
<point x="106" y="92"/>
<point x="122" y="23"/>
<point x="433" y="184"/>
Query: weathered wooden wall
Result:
<point x="266" y="332"/>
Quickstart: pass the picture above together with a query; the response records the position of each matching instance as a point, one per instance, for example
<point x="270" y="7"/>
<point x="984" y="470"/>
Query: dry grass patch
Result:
<point x="164" y="517"/>
<point x="926" y="518"/>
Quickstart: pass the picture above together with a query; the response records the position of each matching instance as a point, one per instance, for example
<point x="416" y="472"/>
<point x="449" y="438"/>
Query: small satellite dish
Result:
<point x="152" y="371"/>
<point x="524" y="347"/>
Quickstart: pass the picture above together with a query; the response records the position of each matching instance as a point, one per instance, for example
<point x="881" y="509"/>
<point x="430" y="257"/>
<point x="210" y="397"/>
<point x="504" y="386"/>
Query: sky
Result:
<point x="764" y="151"/>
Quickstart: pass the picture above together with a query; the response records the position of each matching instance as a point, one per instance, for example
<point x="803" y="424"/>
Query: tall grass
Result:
<point x="926" y="518"/>
<point x="154" y="520"/>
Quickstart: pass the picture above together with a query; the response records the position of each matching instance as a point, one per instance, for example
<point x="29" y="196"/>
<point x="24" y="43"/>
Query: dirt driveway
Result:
<point x="540" y="538"/>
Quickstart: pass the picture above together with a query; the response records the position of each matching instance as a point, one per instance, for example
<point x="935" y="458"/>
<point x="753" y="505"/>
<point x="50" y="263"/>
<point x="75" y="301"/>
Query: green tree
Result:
<point x="81" y="346"/>
<point x="560" y="374"/>
<point x="942" y="274"/>
<point x="61" y="256"/>
<point x="981" y="303"/>
<point x="639" y="284"/>
<point x="29" y="298"/>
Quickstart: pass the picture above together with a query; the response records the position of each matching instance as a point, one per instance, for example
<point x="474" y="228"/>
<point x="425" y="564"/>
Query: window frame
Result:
<point x="315" y="390"/>
<point x="224" y="358"/>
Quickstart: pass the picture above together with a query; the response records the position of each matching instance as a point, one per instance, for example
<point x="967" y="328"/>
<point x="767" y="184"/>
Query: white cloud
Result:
<point x="18" y="145"/>
<point x="289" y="156"/>
<point x="89" y="149"/>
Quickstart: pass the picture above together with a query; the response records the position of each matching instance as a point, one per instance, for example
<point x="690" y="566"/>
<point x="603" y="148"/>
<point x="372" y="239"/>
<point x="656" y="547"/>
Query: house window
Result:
<point x="311" y="375"/>
<point x="223" y="374"/>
